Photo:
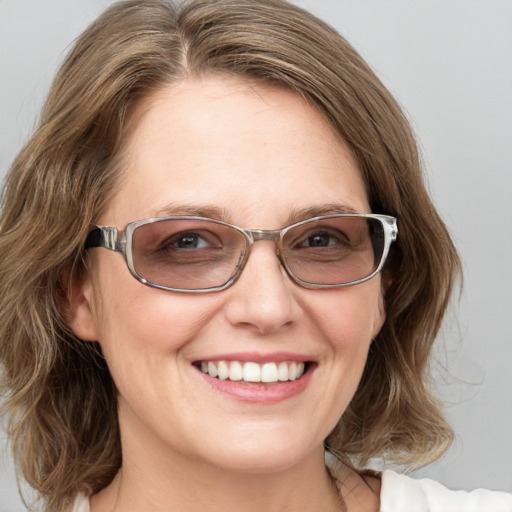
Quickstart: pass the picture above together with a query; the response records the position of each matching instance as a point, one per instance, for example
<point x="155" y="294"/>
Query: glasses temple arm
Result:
<point x="103" y="237"/>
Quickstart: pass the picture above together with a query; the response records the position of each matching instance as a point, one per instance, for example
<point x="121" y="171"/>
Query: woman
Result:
<point x="251" y="171"/>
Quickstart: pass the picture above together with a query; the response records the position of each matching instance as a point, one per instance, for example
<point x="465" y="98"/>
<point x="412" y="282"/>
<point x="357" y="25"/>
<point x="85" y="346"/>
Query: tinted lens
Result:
<point x="186" y="254"/>
<point x="336" y="250"/>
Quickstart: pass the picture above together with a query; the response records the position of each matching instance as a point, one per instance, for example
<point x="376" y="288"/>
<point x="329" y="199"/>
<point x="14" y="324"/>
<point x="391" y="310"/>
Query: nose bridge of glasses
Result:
<point x="257" y="235"/>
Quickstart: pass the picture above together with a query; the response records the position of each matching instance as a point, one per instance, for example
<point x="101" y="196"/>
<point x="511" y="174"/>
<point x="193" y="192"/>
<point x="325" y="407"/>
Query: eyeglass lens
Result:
<point x="194" y="254"/>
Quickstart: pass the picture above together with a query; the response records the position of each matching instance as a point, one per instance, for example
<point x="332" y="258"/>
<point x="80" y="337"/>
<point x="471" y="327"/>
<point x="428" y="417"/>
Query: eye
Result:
<point x="186" y="247"/>
<point x="322" y="239"/>
<point x="318" y="240"/>
<point x="189" y="240"/>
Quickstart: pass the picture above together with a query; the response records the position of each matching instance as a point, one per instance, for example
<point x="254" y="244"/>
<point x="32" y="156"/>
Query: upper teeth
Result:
<point x="253" y="372"/>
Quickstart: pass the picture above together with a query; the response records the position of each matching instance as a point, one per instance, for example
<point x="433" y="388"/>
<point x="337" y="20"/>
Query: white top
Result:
<point x="400" y="493"/>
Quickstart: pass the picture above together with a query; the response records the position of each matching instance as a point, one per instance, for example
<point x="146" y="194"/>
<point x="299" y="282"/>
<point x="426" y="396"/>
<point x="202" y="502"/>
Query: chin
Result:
<point x="265" y="452"/>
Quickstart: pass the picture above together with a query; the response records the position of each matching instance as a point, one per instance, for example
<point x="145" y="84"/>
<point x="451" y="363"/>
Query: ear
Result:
<point x="380" y="315"/>
<point x="76" y="304"/>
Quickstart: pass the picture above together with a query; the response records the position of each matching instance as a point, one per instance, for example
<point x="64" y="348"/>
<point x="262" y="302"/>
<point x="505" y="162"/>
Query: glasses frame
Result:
<point x="111" y="238"/>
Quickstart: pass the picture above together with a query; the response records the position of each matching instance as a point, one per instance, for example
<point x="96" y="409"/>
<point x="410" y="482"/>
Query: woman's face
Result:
<point x="259" y="157"/>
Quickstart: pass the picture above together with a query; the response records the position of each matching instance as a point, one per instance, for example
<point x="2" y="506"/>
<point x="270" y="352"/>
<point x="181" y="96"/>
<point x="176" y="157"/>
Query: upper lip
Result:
<point x="257" y="357"/>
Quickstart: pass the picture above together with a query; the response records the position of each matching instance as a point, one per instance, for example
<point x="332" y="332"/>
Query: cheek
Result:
<point x="138" y="324"/>
<point x="348" y="320"/>
<point x="351" y="317"/>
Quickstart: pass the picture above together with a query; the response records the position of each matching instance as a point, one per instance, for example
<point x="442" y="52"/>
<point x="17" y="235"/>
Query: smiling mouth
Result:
<point x="251" y="372"/>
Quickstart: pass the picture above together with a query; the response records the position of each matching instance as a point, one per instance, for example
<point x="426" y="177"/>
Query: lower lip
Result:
<point x="259" y="392"/>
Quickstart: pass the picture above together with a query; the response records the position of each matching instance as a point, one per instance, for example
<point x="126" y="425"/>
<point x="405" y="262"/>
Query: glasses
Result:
<point x="196" y="254"/>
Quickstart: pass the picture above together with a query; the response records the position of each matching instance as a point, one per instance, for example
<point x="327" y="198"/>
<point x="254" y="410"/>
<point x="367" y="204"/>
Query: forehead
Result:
<point x="233" y="145"/>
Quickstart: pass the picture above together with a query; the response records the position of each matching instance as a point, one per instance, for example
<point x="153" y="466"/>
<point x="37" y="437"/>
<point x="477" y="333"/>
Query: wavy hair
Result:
<point x="58" y="396"/>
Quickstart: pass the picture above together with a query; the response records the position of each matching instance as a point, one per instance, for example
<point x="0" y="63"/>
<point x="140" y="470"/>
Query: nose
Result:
<point x="263" y="299"/>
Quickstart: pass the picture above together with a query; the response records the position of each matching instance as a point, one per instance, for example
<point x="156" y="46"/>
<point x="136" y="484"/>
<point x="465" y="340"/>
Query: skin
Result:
<point x="258" y="154"/>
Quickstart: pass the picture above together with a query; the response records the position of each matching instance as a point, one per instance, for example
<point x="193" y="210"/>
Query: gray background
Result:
<point x="449" y="63"/>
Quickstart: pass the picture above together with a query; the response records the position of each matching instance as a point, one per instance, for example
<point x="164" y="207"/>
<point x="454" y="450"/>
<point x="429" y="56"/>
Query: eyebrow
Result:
<point x="217" y="213"/>
<point x="208" y="211"/>
<point x="309" y="212"/>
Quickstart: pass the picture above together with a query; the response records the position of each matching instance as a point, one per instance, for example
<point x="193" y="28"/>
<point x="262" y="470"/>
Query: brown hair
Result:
<point x="60" y="400"/>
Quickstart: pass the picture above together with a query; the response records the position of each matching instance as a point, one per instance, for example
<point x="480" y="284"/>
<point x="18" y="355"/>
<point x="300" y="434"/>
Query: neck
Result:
<point x="160" y="474"/>
<point x="185" y="485"/>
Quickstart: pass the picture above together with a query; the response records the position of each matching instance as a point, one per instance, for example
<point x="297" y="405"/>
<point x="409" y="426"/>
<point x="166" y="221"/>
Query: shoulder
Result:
<point x="81" y="504"/>
<point x="400" y="493"/>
